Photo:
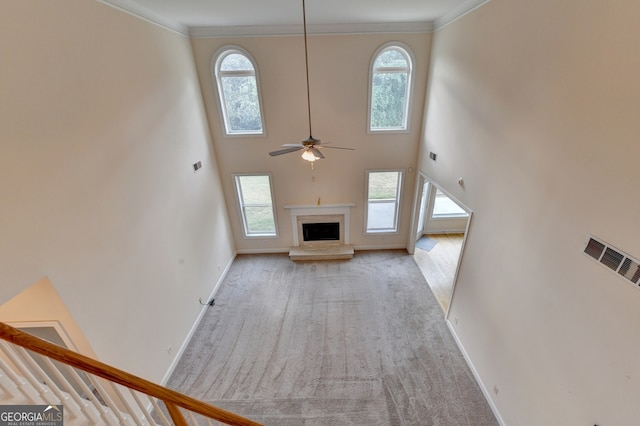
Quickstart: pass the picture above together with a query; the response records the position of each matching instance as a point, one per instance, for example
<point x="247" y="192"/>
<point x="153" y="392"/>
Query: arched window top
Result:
<point x="392" y="57"/>
<point x="390" y="88"/>
<point x="237" y="81"/>
<point x="235" y="61"/>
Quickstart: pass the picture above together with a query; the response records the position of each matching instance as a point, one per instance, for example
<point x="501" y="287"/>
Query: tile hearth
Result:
<point x="324" y="252"/>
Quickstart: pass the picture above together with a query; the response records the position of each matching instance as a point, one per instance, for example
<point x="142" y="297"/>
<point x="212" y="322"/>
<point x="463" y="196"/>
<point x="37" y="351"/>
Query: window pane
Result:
<point x="256" y="205"/>
<point x="242" y="104"/>
<point x="389" y="91"/>
<point x="237" y="83"/>
<point x="381" y="216"/>
<point x="443" y="206"/>
<point x="383" y="185"/>
<point x="391" y="58"/>
<point x="255" y="190"/>
<point x="388" y="100"/>
<point x="382" y="201"/>
<point x="260" y="220"/>
<point x="236" y="62"/>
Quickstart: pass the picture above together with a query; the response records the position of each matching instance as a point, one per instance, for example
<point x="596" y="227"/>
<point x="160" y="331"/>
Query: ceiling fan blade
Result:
<point x="285" y="151"/>
<point x="338" y="147"/>
<point x="293" y="144"/>
<point x="317" y="153"/>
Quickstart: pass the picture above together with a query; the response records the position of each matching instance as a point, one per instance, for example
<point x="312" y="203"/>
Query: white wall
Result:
<point x="102" y="119"/>
<point x="339" y="78"/>
<point x="40" y="303"/>
<point x="535" y="105"/>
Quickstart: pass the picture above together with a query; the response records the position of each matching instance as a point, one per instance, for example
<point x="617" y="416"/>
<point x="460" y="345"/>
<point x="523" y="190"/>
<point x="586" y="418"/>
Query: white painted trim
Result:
<point x="446" y="231"/>
<point x="317" y="29"/>
<point x="55" y="324"/>
<point x="357" y="248"/>
<point x="315" y="207"/>
<point x="264" y="251"/>
<point x="381" y="247"/>
<point x="195" y="325"/>
<point x="134" y="9"/>
<point x="457" y="13"/>
<point x="475" y="373"/>
<point x="343" y="209"/>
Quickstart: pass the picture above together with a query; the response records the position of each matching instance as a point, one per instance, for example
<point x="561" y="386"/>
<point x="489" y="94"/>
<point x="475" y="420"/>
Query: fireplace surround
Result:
<point x="318" y="249"/>
<point x="300" y="214"/>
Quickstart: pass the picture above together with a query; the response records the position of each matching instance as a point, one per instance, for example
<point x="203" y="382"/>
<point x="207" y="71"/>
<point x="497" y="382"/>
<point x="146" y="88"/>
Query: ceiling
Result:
<point x="260" y="17"/>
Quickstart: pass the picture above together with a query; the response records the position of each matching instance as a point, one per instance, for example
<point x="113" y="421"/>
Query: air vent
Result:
<point x="624" y="265"/>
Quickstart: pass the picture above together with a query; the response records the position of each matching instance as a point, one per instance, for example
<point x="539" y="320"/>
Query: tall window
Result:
<point x="238" y="93"/>
<point x="255" y="199"/>
<point x="383" y="200"/>
<point x="390" y="89"/>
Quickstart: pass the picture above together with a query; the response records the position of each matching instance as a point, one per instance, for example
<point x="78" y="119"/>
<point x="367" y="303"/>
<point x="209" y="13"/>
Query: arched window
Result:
<point x="238" y="91"/>
<point x="390" y="88"/>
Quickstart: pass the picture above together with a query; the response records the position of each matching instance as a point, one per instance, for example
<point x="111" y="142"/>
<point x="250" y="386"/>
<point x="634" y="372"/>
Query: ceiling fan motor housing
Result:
<point x="310" y="141"/>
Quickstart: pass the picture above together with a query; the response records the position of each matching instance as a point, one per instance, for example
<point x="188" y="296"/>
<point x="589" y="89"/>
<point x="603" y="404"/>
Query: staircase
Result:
<point x="36" y="372"/>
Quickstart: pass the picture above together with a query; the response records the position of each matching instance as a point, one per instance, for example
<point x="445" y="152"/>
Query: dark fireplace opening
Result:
<point x="329" y="231"/>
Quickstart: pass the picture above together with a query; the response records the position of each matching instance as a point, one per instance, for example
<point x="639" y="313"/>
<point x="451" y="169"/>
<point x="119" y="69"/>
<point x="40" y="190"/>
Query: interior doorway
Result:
<point x="441" y="228"/>
<point x="54" y="332"/>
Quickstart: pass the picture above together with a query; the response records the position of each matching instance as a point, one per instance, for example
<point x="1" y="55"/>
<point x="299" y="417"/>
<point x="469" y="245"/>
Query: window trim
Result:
<point x="398" y="203"/>
<point x="408" y="98"/>
<point x="241" y="206"/>
<point x="216" y="61"/>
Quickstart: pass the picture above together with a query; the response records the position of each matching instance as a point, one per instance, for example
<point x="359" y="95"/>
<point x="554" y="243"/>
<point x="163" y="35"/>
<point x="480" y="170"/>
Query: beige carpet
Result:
<point x="359" y="342"/>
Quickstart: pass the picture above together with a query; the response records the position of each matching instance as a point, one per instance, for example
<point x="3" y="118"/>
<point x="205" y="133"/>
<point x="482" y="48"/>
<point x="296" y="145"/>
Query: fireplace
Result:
<point x="319" y="227"/>
<point x="316" y="226"/>
<point x="324" y="231"/>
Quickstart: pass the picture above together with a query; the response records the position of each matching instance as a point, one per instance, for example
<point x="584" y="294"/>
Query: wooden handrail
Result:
<point x="171" y="398"/>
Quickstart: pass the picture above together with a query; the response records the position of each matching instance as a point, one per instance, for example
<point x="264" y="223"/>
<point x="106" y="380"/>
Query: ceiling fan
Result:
<point x="310" y="145"/>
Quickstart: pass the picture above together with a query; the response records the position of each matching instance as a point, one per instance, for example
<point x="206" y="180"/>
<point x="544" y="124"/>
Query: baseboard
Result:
<point x="195" y="325"/>
<point x="360" y="248"/>
<point x="264" y="251"/>
<point x="445" y="231"/>
<point x="381" y="247"/>
<point x="483" y="387"/>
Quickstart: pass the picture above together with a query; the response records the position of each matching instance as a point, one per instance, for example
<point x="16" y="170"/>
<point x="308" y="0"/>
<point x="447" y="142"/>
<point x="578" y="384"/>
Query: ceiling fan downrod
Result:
<point x="306" y="65"/>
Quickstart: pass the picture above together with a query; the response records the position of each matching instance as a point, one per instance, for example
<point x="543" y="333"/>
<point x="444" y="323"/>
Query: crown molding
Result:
<point x="457" y="13"/>
<point x="319" y="29"/>
<point x="132" y="8"/>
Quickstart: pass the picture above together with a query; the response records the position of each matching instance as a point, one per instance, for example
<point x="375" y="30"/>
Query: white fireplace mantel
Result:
<point x="319" y="210"/>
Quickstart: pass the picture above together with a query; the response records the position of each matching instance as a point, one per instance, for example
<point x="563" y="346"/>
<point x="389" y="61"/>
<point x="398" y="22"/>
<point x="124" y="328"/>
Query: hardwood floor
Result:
<point x="439" y="265"/>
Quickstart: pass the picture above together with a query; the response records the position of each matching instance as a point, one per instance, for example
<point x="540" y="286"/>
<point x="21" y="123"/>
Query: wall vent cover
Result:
<point x="619" y="262"/>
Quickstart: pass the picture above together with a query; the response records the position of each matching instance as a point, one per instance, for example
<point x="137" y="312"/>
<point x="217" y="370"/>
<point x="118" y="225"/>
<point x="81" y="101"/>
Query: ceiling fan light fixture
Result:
<point x="308" y="155"/>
